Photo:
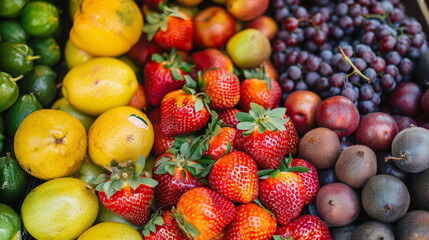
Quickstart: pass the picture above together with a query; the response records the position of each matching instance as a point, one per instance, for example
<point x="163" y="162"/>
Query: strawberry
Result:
<point x="263" y="135"/>
<point x="164" y="74"/>
<point x="182" y="112"/>
<point x="203" y="214"/>
<point x="260" y="89"/>
<point x="155" y="115"/>
<point x="176" y="172"/>
<point x="162" y="226"/>
<point x="128" y="192"/>
<point x="293" y="143"/>
<point x="283" y="192"/>
<point x="218" y="140"/>
<point x="142" y="51"/>
<point x="211" y="58"/>
<point x="304" y="227"/>
<point x="223" y="88"/>
<point x="170" y="29"/>
<point x="235" y="176"/>
<point x="251" y="222"/>
<point x="228" y="116"/>
<point x="310" y="179"/>
<point x="161" y="143"/>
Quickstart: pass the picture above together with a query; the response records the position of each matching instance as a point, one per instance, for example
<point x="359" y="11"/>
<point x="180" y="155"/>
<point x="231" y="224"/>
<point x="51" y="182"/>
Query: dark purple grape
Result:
<point x="418" y="40"/>
<point x="341" y="9"/>
<point x="387" y="6"/>
<point x="358" y="21"/>
<point x="368" y="38"/>
<point x="300" y="33"/>
<point x="346" y="22"/>
<point x="371" y="25"/>
<point x="281" y="14"/>
<point x="376" y="8"/>
<point x="278" y="3"/>
<point x="403" y="45"/>
<point x="300" y="13"/>
<point x="349" y="93"/>
<point x="348" y="50"/>
<point x="287" y="85"/>
<point x="293" y="2"/>
<point x="367" y="55"/>
<point x="317" y="18"/>
<point x="302" y="57"/>
<point x="364" y="2"/>
<point x="290" y="24"/>
<point x="396" y="15"/>
<point x="294" y="72"/>
<point x="387" y="43"/>
<point x="406" y="66"/>
<point x="343" y="65"/>
<point x="414" y="27"/>
<point x="301" y="85"/>
<point x="378" y="64"/>
<point x="414" y="53"/>
<point x="366" y="92"/>
<point x="376" y="100"/>
<point x="283" y="34"/>
<point x="384" y="30"/>
<point x="325" y="14"/>
<point x="387" y="82"/>
<point x="336" y="59"/>
<point x="337" y="80"/>
<point x="322" y="84"/>
<point x="292" y="40"/>
<point x="337" y="32"/>
<point x="365" y="107"/>
<point x="376" y="85"/>
<point x="279" y="59"/>
<point x="324" y="28"/>
<point x="393" y="58"/>
<point x="311" y="46"/>
<point x="313" y="63"/>
<point x="334" y="91"/>
<point x="355" y="78"/>
<point x="370" y="73"/>
<point x="359" y="63"/>
<point x="355" y="9"/>
<point x="319" y="38"/>
<point x="326" y="55"/>
<point x="309" y="32"/>
<point x="291" y="58"/>
<point x="279" y="45"/>
<point x="311" y="78"/>
<point x="325" y="69"/>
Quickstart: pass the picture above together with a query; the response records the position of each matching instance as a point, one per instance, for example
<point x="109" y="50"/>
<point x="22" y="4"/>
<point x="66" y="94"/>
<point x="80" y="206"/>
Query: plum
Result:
<point x="405" y="99"/>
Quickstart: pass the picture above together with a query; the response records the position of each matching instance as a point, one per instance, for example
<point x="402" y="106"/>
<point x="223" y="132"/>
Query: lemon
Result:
<point x="75" y="56"/>
<point x="107" y="28"/>
<point x="121" y="134"/>
<point x="111" y="231"/>
<point x="63" y="105"/>
<point x="61" y="208"/>
<point x="50" y="144"/>
<point x="99" y="84"/>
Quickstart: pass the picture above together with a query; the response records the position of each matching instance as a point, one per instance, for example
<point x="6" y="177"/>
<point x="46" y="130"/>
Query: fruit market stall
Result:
<point x="214" y="119"/>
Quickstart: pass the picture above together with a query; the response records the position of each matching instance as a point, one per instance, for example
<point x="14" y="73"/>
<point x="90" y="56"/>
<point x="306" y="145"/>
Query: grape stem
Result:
<point x="355" y="70"/>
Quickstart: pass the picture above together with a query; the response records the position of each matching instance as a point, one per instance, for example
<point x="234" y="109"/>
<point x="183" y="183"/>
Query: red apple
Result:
<point x="376" y="130"/>
<point x="266" y="25"/>
<point x="339" y="114"/>
<point x="301" y="106"/>
<point x="424" y="103"/>
<point x="246" y="10"/>
<point x="213" y="27"/>
<point x="405" y="99"/>
<point x="211" y="58"/>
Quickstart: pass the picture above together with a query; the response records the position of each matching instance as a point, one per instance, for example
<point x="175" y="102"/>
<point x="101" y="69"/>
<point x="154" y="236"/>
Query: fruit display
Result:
<point x="213" y="119"/>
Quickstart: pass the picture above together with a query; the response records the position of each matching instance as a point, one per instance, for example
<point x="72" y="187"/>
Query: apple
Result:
<point x="405" y="99"/>
<point x="301" y="106"/>
<point x="403" y="122"/>
<point x="339" y="114"/>
<point x="213" y="27"/>
<point x="246" y="10"/>
<point x="211" y="58"/>
<point x="142" y="51"/>
<point x="266" y="25"/>
<point x="376" y="130"/>
<point x="424" y="102"/>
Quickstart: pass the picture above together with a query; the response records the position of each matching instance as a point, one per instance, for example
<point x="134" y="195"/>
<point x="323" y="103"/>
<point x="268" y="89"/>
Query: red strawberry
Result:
<point x="251" y="222"/>
<point x="204" y="213"/>
<point x="293" y="143"/>
<point x="228" y="116"/>
<point x="211" y="58"/>
<point x="170" y="29"/>
<point x="165" y="226"/>
<point x="305" y="227"/>
<point x="283" y="193"/>
<point x="155" y="115"/>
<point x="182" y="113"/>
<point x="153" y="4"/>
<point x="161" y="143"/>
<point x="263" y="135"/>
<point x="172" y="171"/>
<point x="142" y="51"/>
<point x="310" y="179"/>
<point x="235" y="176"/>
<point x="163" y="75"/>
<point x="255" y="89"/>
<point x="132" y="200"/>
<point x="223" y="88"/>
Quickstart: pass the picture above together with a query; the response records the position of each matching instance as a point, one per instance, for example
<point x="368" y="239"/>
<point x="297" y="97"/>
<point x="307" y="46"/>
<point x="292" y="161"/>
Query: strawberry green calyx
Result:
<point x="261" y="119"/>
<point x="285" y="166"/>
<point x="128" y="172"/>
<point x="155" y="220"/>
<point x="173" y="61"/>
<point x="187" y="228"/>
<point x="158" y="21"/>
<point x="203" y="100"/>
<point x="278" y="237"/>
<point x="257" y="73"/>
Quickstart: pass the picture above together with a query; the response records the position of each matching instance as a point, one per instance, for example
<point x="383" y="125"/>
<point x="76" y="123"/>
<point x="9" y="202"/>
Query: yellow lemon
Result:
<point x="75" y="56"/>
<point x="106" y="28"/>
<point x="50" y="144"/>
<point x="63" y="105"/>
<point x="111" y="231"/>
<point x="121" y="134"/>
<point x="61" y="208"/>
<point x="99" y="84"/>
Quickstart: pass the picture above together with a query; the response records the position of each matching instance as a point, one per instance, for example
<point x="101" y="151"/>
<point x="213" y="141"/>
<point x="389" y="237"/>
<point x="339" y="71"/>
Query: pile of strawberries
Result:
<point x="224" y="167"/>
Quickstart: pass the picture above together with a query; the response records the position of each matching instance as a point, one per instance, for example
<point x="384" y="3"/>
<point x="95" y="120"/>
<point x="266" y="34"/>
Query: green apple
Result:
<point x="63" y="105"/>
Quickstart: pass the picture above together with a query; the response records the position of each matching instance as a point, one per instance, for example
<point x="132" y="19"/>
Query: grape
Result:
<point x="294" y="72"/>
<point x="288" y="85"/>
<point x="372" y="25"/>
<point x="311" y="78"/>
<point x="393" y="58"/>
<point x="341" y="9"/>
<point x="326" y="55"/>
<point x="384" y="31"/>
<point x="387" y="6"/>
<point x="337" y="80"/>
<point x="367" y="55"/>
<point x="302" y="57"/>
<point x="414" y="27"/>
<point x="368" y="38"/>
<point x="346" y="22"/>
<point x="406" y="66"/>
<point x="337" y="32"/>
<point x="319" y="38"/>
<point x="343" y="65"/>
<point x="355" y="10"/>
<point x="370" y="73"/>
<point x="301" y="85"/>
<point x="387" y="82"/>
<point x="281" y="14"/>
<point x="366" y="92"/>
<point x="359" y="63"/>
<point x="378" y="64"/>
<point x="325" y="69"/>
<point x="403" y="45"/>
<point x="291" y="24"/>
<point x="387" y="43"/>
<point x="414" y="53"/>
<point x="279" y="59"/>
<point x="334" y="91"/>
<point x="300" y="13"/>
<point x="278" y="3"/>
<point x="349" y="93"/>
<point x="282" y="35"/>
<point x="418" y="40"/>
<point x="358" y="21"/>
<point x="392" y="70"/>
<point x="366" y="107"/>
<point x="279" y="45"/>
<point x="396" y="15"/>
<point x="317" y="18"/>
<point x="292" y="40"/>
<point x="364" y="2"/>
<point x="313" y="63"/>
<point x="322" y="84"/>
<point x="377" y="8"/>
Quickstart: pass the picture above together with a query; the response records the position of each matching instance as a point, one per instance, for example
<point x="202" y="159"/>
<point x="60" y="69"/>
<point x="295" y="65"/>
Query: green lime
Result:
<point x="11" y="8"/>
<point x="12" y="31"/>
<point x="10" y="223"/>
<point x="40" y="19"/>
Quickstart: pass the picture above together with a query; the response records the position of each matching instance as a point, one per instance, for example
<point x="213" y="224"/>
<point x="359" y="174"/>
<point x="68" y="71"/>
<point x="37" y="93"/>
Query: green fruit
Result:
<point x="48" y="50"/>
<point x="88" y="171"/>
<point x="41" y="82"/>
<point x="40" y="19"/>
<point x="13" y="180"/>
<point x="12" y="31"/>
<point x="13" y="117"/>
<point x="63" y="105"/>
<point x="11" y="8"/>
<point x="16" y="58"/>
<point x="248" y="48"/>
<point x="9" y="91"/>
<point x="62" y="208"/>
<point x="10" y="223"/>
<point x="1" y="133"/>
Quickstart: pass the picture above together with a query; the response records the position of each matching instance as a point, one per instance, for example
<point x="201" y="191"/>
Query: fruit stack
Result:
<point x="175" y="120"/>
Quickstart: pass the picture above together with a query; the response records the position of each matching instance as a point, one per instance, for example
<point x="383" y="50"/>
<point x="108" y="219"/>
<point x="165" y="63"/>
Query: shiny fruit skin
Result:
<point x="110" y="231"/>
<point x="246" y="10"/>
<point x="223" y="87"/>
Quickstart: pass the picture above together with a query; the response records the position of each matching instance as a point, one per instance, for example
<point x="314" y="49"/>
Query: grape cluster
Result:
<point x="359" y="49"/>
